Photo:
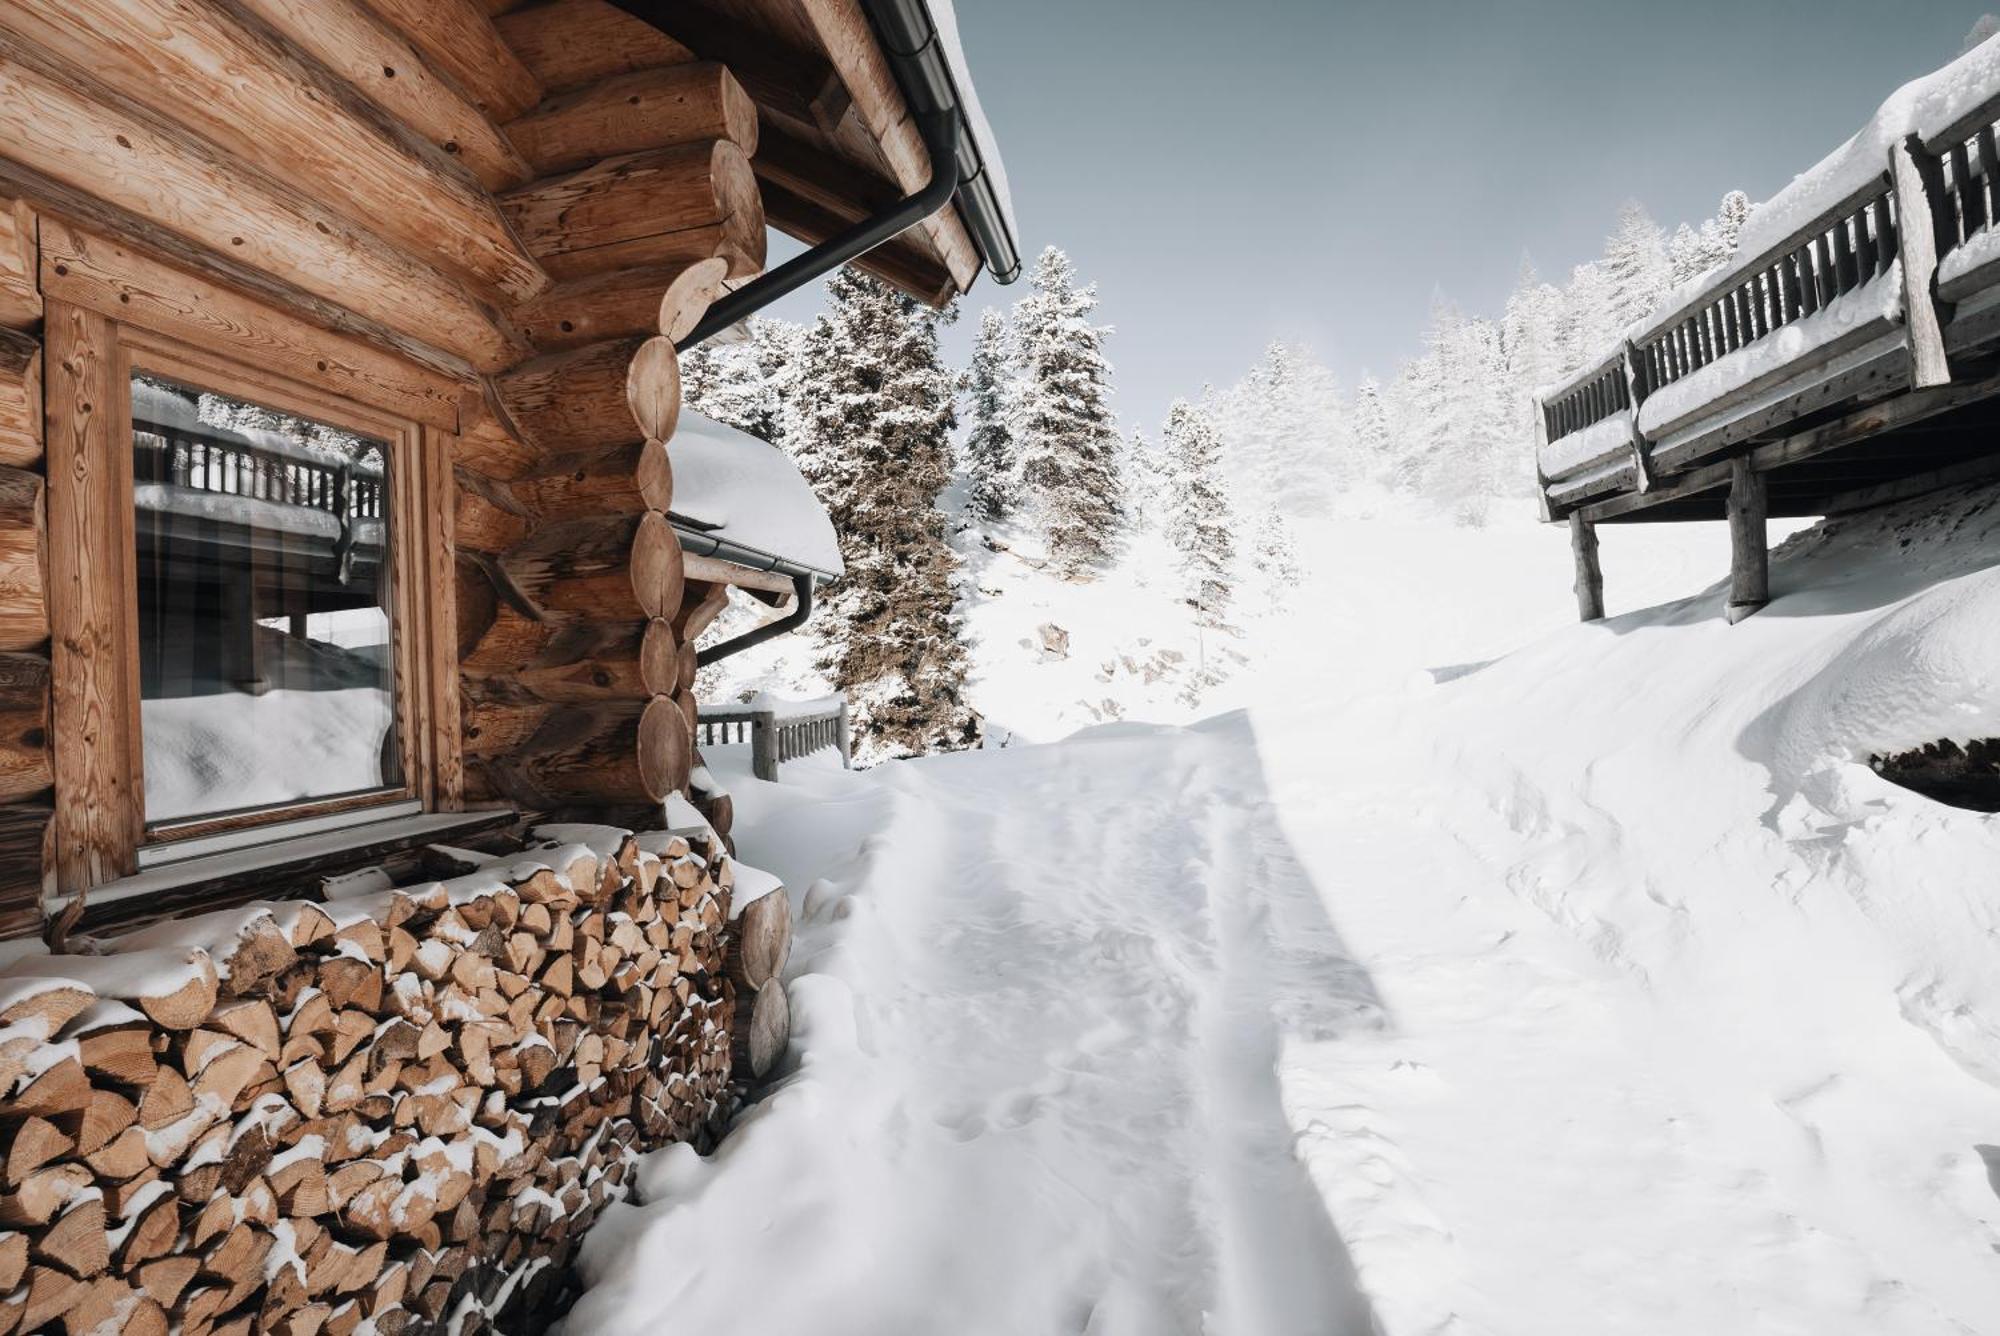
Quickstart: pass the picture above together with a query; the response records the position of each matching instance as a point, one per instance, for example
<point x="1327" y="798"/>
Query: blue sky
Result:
<point x="1232" y="171"/>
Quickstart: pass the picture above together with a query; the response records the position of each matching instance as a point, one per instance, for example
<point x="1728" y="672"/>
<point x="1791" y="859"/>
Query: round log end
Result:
<point x="741" y="205"/>
<point x="666" y="748"/>
<point x="655" y="475"/>
<point x="688" y="297"/>
<point x="763" y="939"/>
<point x="660" y="658"/>
<point x="690" y="664"/>
<point x="659" y="574"/>
<point x="653" y="387"/>
<point x="762" y="1031"/>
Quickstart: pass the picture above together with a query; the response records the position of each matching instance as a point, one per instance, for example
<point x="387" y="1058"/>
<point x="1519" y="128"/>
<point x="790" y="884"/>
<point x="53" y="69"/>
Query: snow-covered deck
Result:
<point x="1840" y="348"/>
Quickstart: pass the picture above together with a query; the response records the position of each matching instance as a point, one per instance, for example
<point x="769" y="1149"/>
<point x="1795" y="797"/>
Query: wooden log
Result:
<point x="759" y="1033"/>
<point x="487" y="516"/>
<point x="20" y="399"/>
<point x="354" y="43"/>
<point x="570" y="44"/>
<point x="669" y="206"/>
<point x="653" y="387"/>
<point x="24" y="614"/>
<point x="613" y="567"/>
<point x="616" y="752"/>
<point x="20" y="299"/>
<point x="577" y="400"/>
<point x="26" y="764"/>
<point x="1749" y="552"/>
<point x="486" y="444"/>
<point x="648" y="109"/>
<point x="569" y="663"/>
<point x="458" y="39"/>
<point x="762" y="941"/>
<point x="701" y="604"/>
<point x="1589" y="574"/>
<point x="620" y="480"/>
<point x="291" y="118"/>
<point x="620" y="303"/>
<point x="66" y="125"/>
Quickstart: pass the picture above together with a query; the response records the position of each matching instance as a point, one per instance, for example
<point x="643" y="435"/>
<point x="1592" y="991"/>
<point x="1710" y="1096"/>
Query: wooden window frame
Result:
<point x="139" y="314"/>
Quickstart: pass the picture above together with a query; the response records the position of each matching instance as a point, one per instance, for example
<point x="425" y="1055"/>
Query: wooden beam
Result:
<point x="1961" y="474"/>
<point x="569" y="44"/>
<point x="649" y="109"/>
<point x="785" y="78"/>
<point x="458" y="38"/>
<point x="97" y="817"/>
<point x="896" y="262"/>
<point x="20" y="299"/>
<point x="224" y="74"/>
<point x="439" y="644"/>
<point x="1749" y="552"/>
<point x="65" y="127"/>
<point x="709" y="570"/>
<point x="352" y="41"/>
<point x="123" y="282"/>
<point x="1589" y="574"/>
<point x="20" y="399"/>
<point x="1919" y="196"/>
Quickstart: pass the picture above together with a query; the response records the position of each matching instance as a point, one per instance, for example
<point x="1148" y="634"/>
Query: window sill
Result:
<point x="272" y="870"/>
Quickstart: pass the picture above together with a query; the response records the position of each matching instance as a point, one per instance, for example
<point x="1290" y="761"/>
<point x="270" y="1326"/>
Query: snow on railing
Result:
<point x="778" y="730"/>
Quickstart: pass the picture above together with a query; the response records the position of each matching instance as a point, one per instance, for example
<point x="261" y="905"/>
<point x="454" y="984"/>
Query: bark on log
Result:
<point x="669" y="206"/>
<point x="763" y="941"/>
<point x="240" y="85"/>
<point x="621" y="303"/>
<point x="459" y="40"/>
<point x="61" y="123"/>
<point x="351" y="41"/>
<point x="633" y="113"/>
<point x="20" y="400"/>
<point x="569" y="44"/>
<point x="485" y="443"/>
<point x="759" y="1033"/>
<point x="613" y="568"/>
<point x="24" y="614"/>
<point x="578" y="400"/>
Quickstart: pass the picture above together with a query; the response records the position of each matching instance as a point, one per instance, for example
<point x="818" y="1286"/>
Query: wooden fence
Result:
<point x="779" y="733"/>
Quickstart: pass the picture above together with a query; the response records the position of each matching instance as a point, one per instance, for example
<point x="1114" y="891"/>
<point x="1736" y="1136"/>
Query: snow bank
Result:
<point x="1583" y="450"/>
<point x="748" y="491"/>
<point x="1847" y="317"/>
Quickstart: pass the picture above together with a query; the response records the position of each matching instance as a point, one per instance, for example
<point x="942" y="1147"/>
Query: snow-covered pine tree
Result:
<point x="989" y="448"/>
<point x="1198" y="523"/>
<point x="1635" y="267"/>
<point x="1276" y="558"/>
<point x="745" y="383"/>
<point x="1285" y="432"/>
<point x="1064" y="431"/>
<point x="871" y="430"/>
<point x="1694" y="251"/>
<point x="1141" y="471"/>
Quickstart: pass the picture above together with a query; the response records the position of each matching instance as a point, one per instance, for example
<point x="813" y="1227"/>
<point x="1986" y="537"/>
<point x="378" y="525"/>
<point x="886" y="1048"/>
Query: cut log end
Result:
<point x="760" y="1033"/>
<point x="666" y="748"/>
<point x="653" y="388"/>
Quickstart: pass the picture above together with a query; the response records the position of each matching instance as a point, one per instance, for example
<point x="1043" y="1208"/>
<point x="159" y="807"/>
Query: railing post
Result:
<point x="1918" y="182"/>
<point x="1749" y="553"/>
<point x="764" y="745"/>
<point x="1589" y="575"/>
<point x="843" y="741"/>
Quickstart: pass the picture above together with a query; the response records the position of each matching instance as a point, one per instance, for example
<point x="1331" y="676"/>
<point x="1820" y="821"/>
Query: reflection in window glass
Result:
<point x="265" y="674"/>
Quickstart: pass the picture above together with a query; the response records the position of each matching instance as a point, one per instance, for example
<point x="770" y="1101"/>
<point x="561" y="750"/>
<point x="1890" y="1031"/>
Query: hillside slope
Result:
<point x="1601" y="988"/>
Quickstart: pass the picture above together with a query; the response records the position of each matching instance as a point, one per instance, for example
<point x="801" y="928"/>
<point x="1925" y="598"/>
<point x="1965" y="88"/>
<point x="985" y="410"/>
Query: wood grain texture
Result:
<point x="20" y="399"/>
<point x="458" y="38"/>
<point x="121" y="280"/>
<point x="24" y="615"/>
<point x="647" y="109"/>
<point x="89" y="464"/>
<point x="620" y="303"/>
<point x="568" y="44"/>
<point x="24" y="851"/>
<point x="20" y="299"/>
<point x="58" y="121"/>
<point x="439" y="649"/>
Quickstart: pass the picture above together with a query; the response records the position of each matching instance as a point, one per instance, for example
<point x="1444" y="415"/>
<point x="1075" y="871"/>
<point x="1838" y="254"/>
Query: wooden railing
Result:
<point x="231" y="468"/>
<point x="780" y="732"/>
<point x="1587" y="399"/>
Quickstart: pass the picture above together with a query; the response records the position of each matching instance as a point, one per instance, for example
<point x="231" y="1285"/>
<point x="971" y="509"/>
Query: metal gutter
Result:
<point x="802" y="594"/>
<point x="939" y="131"/>
<point x="699" y="540"/>
<point x="916" y="55"/>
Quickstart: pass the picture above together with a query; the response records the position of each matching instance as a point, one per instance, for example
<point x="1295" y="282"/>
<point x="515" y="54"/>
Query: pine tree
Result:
<point x="989" y="449"/>
<point x="1277" y="560"/>
<point x="1635" y="267"/>
<point x="745" y="383"/>
<point x="1198" y="521"/>
<point x="1062" y="420"/>
<point x="871" y="430"/>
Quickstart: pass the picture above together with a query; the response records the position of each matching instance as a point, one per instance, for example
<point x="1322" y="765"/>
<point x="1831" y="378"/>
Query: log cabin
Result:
<point x="355" y="560"/>
<point x="1846" y="356"/>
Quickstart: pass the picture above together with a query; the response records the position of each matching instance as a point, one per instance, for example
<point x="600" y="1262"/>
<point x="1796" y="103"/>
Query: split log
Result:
<point x="577" y="400"/>
<point x="349" y="40"/>
<point x="459" y="40"/>
<point x="619" y="480"/>
<point x="570" y="44"/>
<point x="759" y="1033"/>
<point x="242" y="87"/>
<point x="24" y="616"/>
<point x="669" y="206"/>
<point x="617" y="568"/>
<point x="79" y="133"/>
<point x="763" y="941"/>
<point x="620" y="303"/>
<point x="633" y="113"/>
<point x="20" y="396"/>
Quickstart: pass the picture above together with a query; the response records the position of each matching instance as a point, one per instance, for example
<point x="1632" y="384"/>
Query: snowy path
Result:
<point x="1073" y="1014"/>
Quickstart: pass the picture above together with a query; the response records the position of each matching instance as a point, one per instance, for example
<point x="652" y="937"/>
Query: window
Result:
<point x="264" y="625"/>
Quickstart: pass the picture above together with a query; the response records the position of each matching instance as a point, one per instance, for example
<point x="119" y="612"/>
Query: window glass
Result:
<point x="265" y="669"/>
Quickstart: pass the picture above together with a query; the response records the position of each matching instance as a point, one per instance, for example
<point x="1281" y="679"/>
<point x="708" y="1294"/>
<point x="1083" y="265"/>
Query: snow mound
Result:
<point x="748" y="491"/>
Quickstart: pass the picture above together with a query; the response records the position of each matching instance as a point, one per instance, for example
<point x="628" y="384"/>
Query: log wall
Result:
<point x="401" y="1109"/>
<point x="27" y="762"/>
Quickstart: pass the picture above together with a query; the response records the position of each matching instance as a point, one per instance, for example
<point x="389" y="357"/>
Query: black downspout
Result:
<point x="802" y="590"/>
<point x="940" y="132"/>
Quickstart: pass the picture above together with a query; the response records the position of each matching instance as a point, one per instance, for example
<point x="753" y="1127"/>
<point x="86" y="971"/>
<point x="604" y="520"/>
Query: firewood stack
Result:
<point x="401" y="1109"/>
<point x="760" y="943"/>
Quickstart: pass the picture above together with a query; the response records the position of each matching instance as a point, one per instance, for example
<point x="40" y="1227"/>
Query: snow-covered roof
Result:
<point x="730" y="486"/>
<point x="946" y="19"/>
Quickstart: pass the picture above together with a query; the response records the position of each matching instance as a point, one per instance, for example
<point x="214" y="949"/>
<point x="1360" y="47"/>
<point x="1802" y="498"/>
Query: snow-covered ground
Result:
<point x="1599" y="988"/>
